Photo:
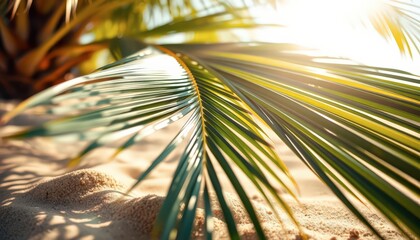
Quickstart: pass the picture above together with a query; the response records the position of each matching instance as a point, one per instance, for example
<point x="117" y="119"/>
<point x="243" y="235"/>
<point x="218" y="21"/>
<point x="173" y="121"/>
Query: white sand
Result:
<point x="39" y="200"/>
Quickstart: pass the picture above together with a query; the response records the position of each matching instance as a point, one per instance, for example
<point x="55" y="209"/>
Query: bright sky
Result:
<point x="333" y="27"/>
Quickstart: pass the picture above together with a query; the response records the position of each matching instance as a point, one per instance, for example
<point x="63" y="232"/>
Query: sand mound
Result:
<point x="71" y="188"/>
<point x="89" y="198"/>
<point x="85" y="202"/>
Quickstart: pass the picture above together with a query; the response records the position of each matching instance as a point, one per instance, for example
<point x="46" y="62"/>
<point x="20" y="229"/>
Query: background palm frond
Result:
<point x="29" y="52"/>
<point x="32" y="33"/>
<point x="400" y="21"/>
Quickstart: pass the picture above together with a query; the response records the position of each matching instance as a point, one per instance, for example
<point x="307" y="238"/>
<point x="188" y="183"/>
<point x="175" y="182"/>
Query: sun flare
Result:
<point x="341" y="28"/>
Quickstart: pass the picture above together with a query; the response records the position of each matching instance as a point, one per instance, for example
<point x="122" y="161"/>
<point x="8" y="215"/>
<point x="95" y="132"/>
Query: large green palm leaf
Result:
<point x="220" y="128"/>
<point x="340" y="122"/>
<point x="354" y="126"/>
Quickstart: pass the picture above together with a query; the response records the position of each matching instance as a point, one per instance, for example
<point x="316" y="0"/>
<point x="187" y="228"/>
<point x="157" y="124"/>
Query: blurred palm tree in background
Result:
<point x="355" y="126"/>
<point x="38" y="47"/>
<point x="40" y="44"/>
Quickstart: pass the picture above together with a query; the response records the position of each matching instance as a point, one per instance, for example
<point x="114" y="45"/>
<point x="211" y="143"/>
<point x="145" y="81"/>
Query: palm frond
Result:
<point x="400" y="21"/>
<point x="158" y="19"/>
<point x="137" y="96"/>
<point x="395" y="20"/>
<point x="222" y="19"/>
<point x="354" y="126"/>
<point x="351" y="124"/>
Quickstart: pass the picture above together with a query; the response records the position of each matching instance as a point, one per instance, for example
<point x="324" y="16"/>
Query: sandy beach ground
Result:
<point x="41" y="199"/>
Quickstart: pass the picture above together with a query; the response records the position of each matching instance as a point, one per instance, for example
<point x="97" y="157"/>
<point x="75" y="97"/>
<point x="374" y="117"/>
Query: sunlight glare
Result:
<point x="320" y="22"/>
<point x="340" y="28"/>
